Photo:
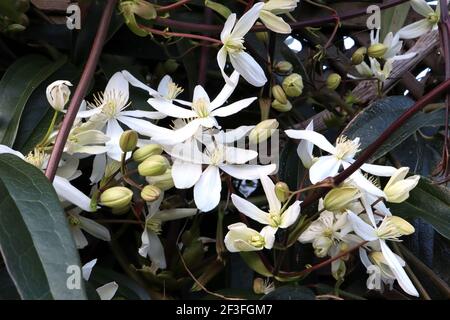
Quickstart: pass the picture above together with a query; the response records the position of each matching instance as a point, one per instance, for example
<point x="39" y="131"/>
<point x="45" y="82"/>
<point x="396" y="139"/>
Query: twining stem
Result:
<point x="49" y="130"/>
<point x="179" y="34"/>
<point x="80" y="91"/>
<point x="215" y="29"/>
<point x="172" y="6"/>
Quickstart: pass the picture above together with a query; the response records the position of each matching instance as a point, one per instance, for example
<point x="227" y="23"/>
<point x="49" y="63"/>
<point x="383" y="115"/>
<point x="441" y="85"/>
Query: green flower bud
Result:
<point x="293" y="85"/>
<point x="358" y="55"/>
<point x="163" y="182"/>
<point x="263" y="131"/>
<point x="281" y="107"/>
<point x="278" y="94"/>
<point x="153" y="166"/>
<point x="150" y="193"/>
<point x="377" y="50"/>
<point x="128" y="140"/>
<point x="171" y="65"/>
<point x="262" y="36"/>
<point x="283" y="67"/>
<point x="338" y="199"/>
<point x="282" y="191"/>
<point x="116" y="197"/>
<point x="333" y="81"/>
<point x="15" y="27"/>
<point x="147" y="151"/>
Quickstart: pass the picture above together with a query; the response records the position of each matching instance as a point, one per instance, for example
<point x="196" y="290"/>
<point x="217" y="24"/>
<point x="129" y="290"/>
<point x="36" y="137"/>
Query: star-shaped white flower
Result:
<point x="419" y="28"/>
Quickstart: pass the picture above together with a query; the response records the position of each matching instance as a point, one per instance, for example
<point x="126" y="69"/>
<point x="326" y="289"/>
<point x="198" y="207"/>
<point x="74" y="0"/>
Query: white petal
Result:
<point x="363" y="183"/>
<point x="400" y="274"/>
<point x="143" y="127"/>
<point x="381" y="171"/>
<point x="233" y="108"/>
<point x="156" y="250"/>
<point x="185" y="174"/>
<point x="95" y="229"/>
<point x="247" y="21"/>
<point x="118" y="84"/>
<point x="250" y="210"/>
<point x="98" y="168"/>
<point x="79" y="238"/>
<point x="200" y="93"/>
<point x="324" y="167"/>
<point x="230" y="136"/>
<point x="313" y="137"/>
<point x="136" y="83"/>
<point x="86" y="269"/>
<point x="143" y="114"/>
<point x="226" y="91"/>
<point x="221" y="61"/>
<point x="421" y="7"/>
<point x="163" y="86"/>
<point x="290" y="215"/>
<point x="175" y="214"/>
<point x="88" y="113"/>
<point x="268" y="233"/>
<point x="274" y="23"/>
<point x="207" y="189"/>
<point x="6" y="149"/>
<point x="239" y="156"/>
<point x="170" y="109"/>
<point x="107" y="291"/>
<point x="68" y="192"/>
<point x="415" y="29"/>
<point x="248" y="68"/>
<point x="269" y="190"/>
<point x="305" y="149"/>
<point x="114" y="131"/>
<point x="361" y="228"/>
<point x="228" y="26"/>
<point x="172" y="137"/>
<point x="248" y="171"/>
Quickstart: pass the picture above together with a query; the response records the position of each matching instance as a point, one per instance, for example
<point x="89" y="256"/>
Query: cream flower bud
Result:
<point x="128" y="140"/>
<point x="242" y="238"/>
<point x="358" y="55"/>
<point x="278" y="94"/>
<point x="282" y="191"/>
<point x="150" y="193"/>
<point x="283" y="67"/>
<point x="339" y="198"/>
<point x="163" y="182"/>
<point x="293" y="85"/>
<point x="377" y="50"/>
<point x="281" y="107"/>
<point x="153" y="166"/>
<point x="116" y="197"/>
<point x="394" y="227"/>
<point x="333" y="81"/>
<point x="58" y="94"/>
<point x="147" y="151"/>
<point x="263" y="131"/>
<point x="321" y="246"/>
<point x="397" y="189"/>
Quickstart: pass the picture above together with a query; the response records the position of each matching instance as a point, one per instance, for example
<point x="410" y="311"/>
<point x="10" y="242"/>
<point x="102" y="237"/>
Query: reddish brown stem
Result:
<point x="204" y="55"/>
<point x="172" y="6"/>
<point x="81" y="89"/>
<point x="178" y="34"/>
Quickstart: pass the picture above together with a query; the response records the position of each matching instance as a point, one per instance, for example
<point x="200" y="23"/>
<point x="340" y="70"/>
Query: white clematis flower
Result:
<point x="232" y="37"/>
<point x="187" y="157"/>
<point x="397" y="189"/>
<point x="78" y="224"/>
<point x="242" y="238"/>
<point x="374" y="70"/>
<point x="341" y="155"/>
<point x="275" y="218"/>
<point x="63" y="187"/>
<point x="167" y="89"/>
<point x="202" y="114"/>
<point x="151" y="245"/>
<point x="58" y="94"/>
<point x="419" y="28"/>
<point x="105" y="292"/>
<point x="391" y="228"/>
<point x="393" y="45"/>
<point x="270" y="11"/>
<point x="305" y="149"/>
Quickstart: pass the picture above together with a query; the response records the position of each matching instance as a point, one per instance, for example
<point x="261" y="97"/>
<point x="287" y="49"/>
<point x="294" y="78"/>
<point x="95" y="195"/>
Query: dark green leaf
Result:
<point x="430" y="202"/>
<point x="372" y="121"/>
<point x="35" y="239"/>
<point x="16" y="87"/>
<point x="290" y="293"/>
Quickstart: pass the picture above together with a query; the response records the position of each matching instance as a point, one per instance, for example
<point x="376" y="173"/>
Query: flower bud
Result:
<point x="128" y="140"/>
<point x="403" y="226"/>
<point x="263" y="131"/>
<point x="283" y="67"/>
<point x="358" y="55"/>
<point x="58" y="94"/>
<point x="150" y="193"/>
<point x="321" y="246"/>
<point x="171" y="65"/>
<point x="282" y="191"/>
<point x="15" y="27"/>
<point x="338" y="199"/>
<point x="397" y="189"/>
<point x="393" y="227"/>
<point x="147" y="151"/>
<point x="377" y="50"/>
<point x="333" y="81"/>
<point x="144" y="9"/>
<point x="163" y="182"/>
<point x="259" y="286"/>
<point x="281" y="107"/>
<point x="116" y="197"/>
<point x="279" y="94"/>
<point x="293" y="85"/>
<point x="153" y="166"/>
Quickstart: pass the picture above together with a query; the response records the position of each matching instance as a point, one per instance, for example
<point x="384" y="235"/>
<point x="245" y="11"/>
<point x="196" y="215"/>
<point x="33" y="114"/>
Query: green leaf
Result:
<point x="219" y="8"/>
<point x="290" y="293"/>
<point x="290" y="165"/>
<point x="430" y="202"/>
<point x="254" y="262"/>
<point x="372" y="121"/>
<point x="16" y="87"/>
<point x="35" y="239"/>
